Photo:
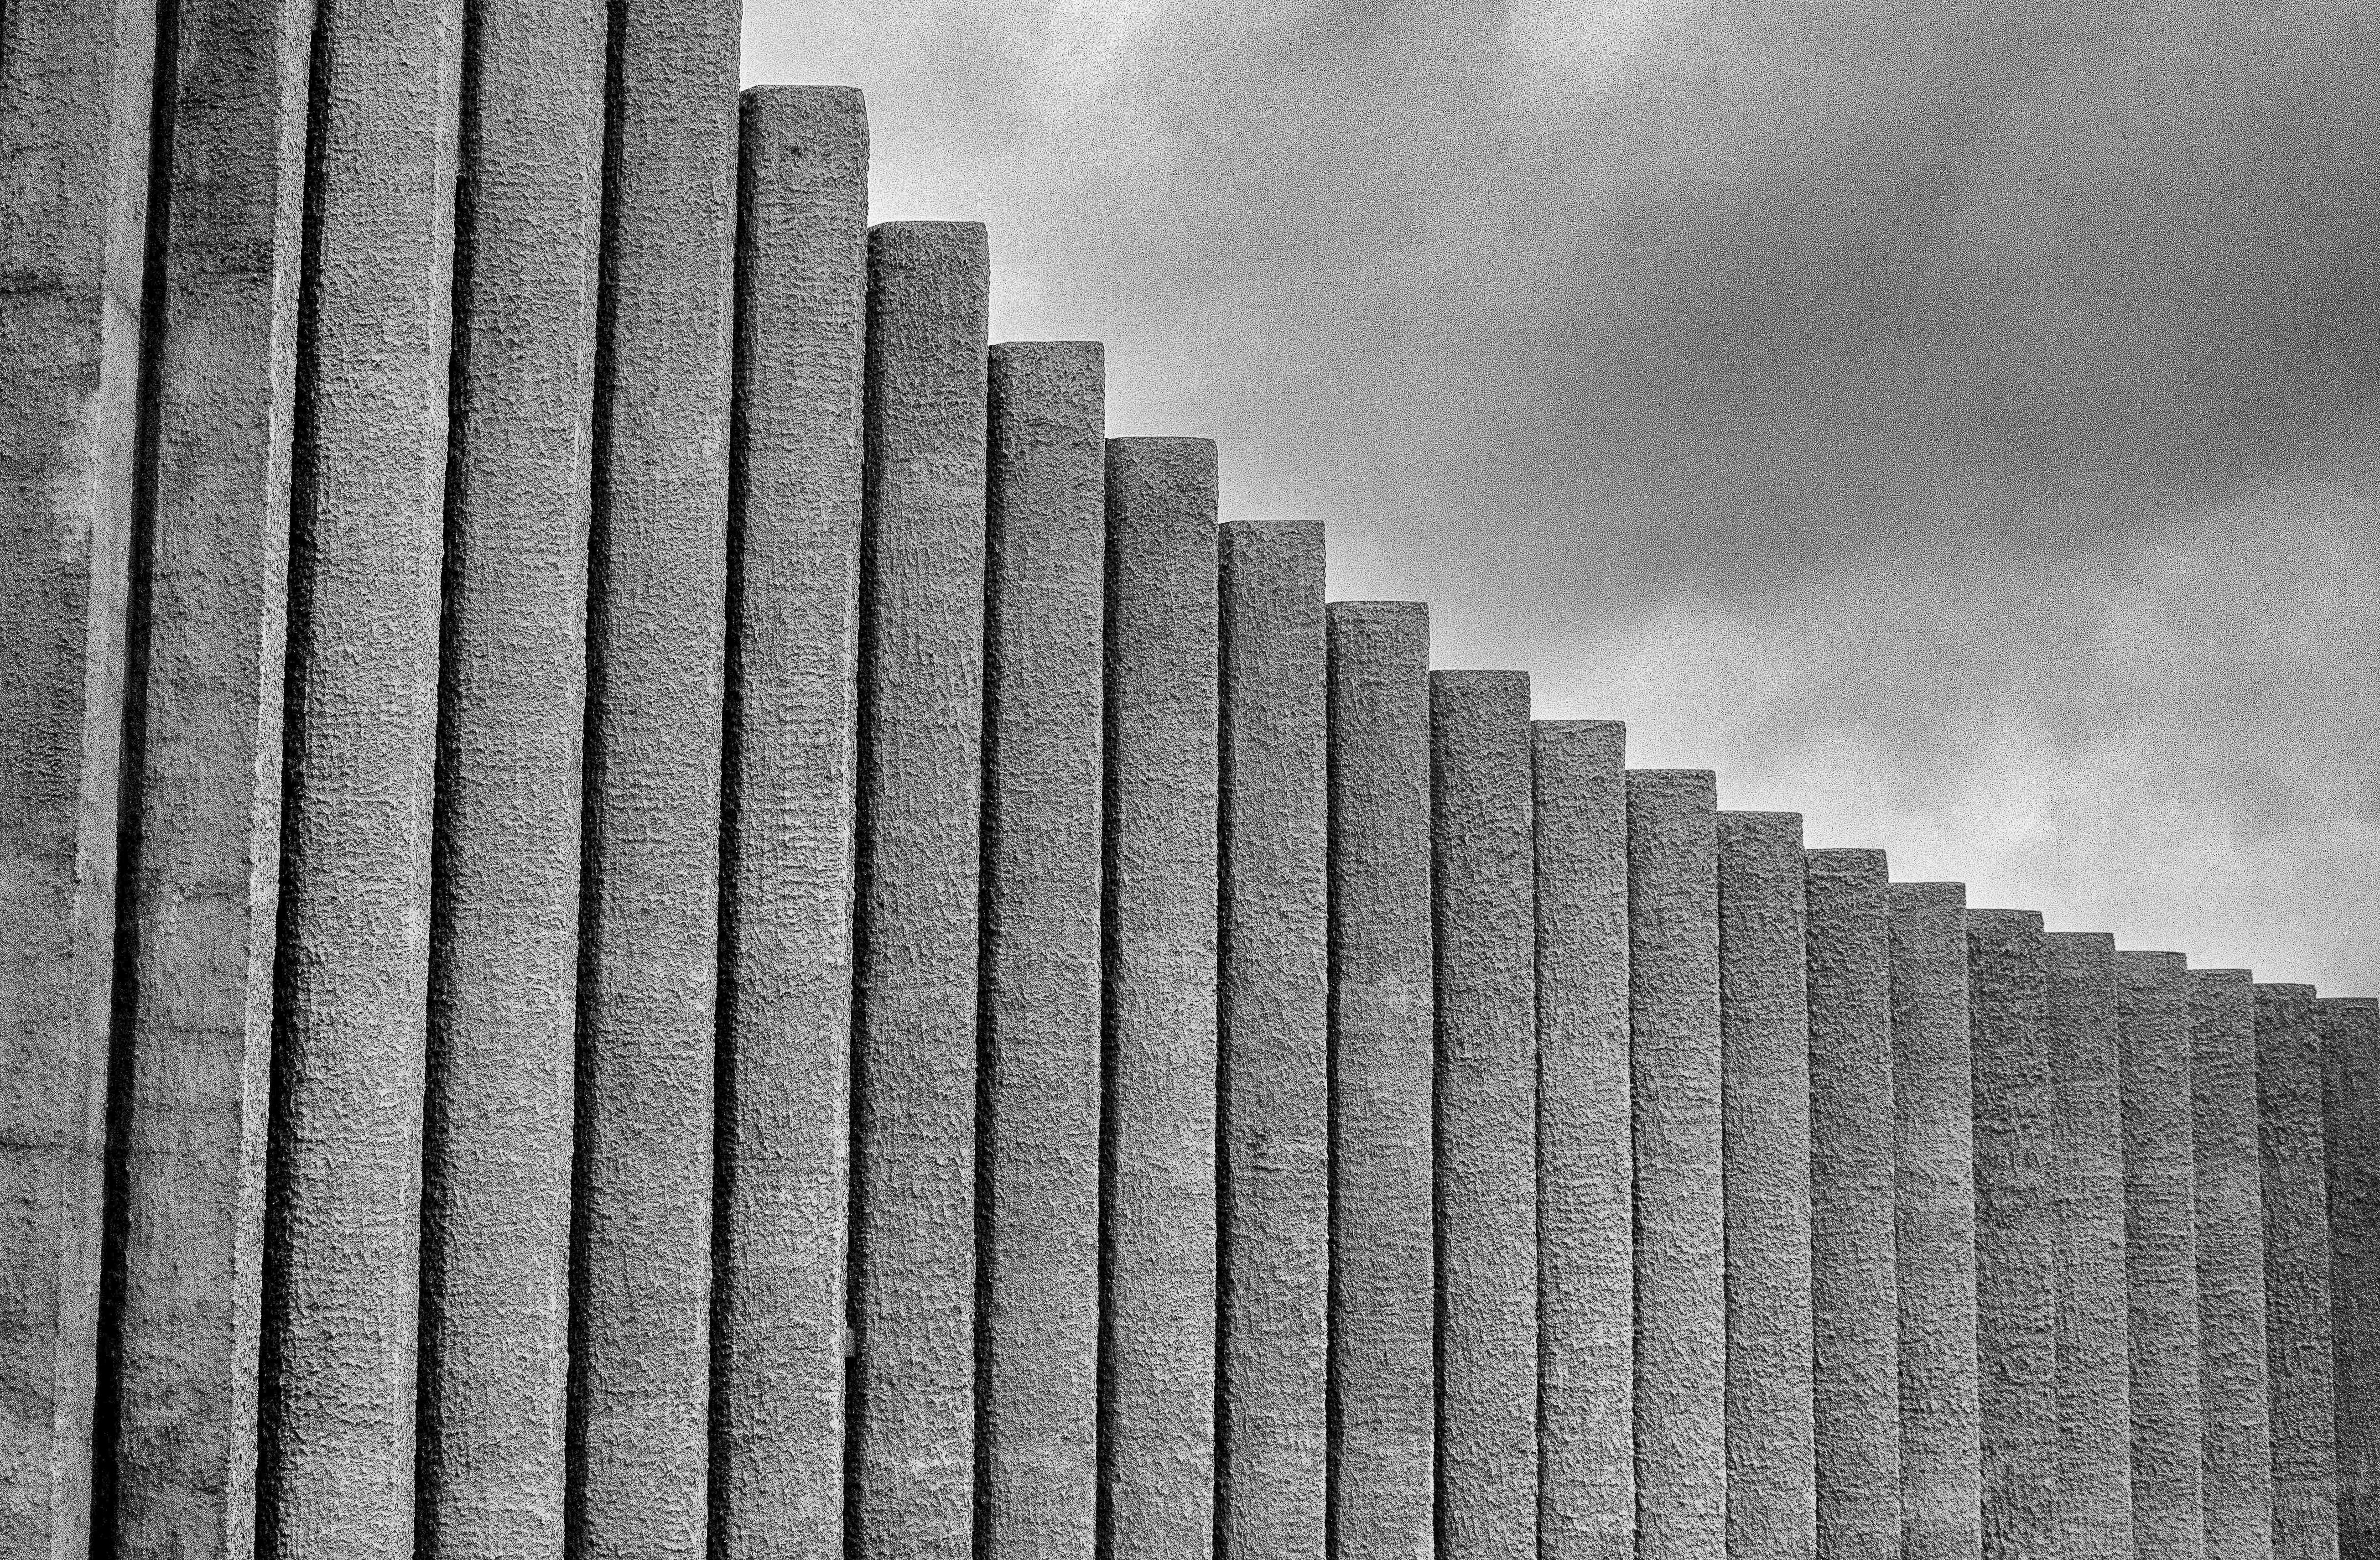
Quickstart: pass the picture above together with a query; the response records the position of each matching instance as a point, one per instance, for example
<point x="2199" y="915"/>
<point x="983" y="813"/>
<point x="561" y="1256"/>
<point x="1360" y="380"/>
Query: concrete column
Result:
<point x="2160" y="1252"/>
<point x="1673" y="1018"/>
<point x="73" y="139"/>
<point x="1854" y="1287"/>
<point x="1276" y="1044"/>
<point x="342" y="1263"/>
<point x="1587" y="1194"/>
<point x="1157" y="1425"/>
<point x="498" y="1118"/>
<point x="2016" y="1233"/>
<point x="203" y="871"/>
<point x="2086" y="1177"/>
<point x="2236" y="1450"/>
<point x="1384" y="1287"/>
<point x="2304" y="1404"/>
<point x="1764" y="1084"/>
<point x="1484" y="891"/>
<point x="656" y="631"/>
<point x="1044" y="649"/>
<point x="1934" y="1229"/>
<point x="912" y="1439"/>
<point x="792" y="628"/>
<point x="2350" y="1047"/>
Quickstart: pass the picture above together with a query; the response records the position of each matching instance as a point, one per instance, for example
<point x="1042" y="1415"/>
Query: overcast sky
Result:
<point x="1956" y="423"/>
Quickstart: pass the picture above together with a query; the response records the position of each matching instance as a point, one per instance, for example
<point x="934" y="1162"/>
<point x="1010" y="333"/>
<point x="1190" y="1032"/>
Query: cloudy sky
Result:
<point x="1957" y="423"/>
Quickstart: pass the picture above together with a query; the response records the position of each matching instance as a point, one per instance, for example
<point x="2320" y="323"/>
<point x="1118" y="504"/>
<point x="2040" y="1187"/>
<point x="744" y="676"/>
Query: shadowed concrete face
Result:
<point x="2298" y="1294"/>
<point x="2349" y="1030"/>
<point x="2234" y="1412"/>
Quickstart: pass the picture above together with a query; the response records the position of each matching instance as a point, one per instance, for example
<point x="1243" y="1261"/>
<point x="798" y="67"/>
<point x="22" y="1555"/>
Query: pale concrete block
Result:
<point x="2235" y="1447"/>
<point x="2350" y="1046"/>
<point x="2298" y="1338"/>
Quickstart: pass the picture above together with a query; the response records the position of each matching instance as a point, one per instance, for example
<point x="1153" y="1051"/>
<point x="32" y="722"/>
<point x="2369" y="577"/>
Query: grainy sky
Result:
<point x="1957" y="423"/>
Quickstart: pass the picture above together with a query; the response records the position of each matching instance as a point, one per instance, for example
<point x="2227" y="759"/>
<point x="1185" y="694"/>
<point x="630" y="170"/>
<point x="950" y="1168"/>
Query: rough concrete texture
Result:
<point x="1587" y="1194"/>
<point x="204" y="880"/>
<point x="1765" y="1091"/>
<point x="911" y="1405"/>
<point x="1044" y="668"/>
<point x="1275" y="1014"/>
<point x="342" y="1264"/>
<point x="1383" y="1291"/>
<point x="498" y="1118"/>
<point x="648" y="961"/>
<point x="1157" y="1357"/>
<point x="1674" y="1071"/>
<point x="792" y="690"/>
<point x="2297" y="1337"/>
<point x="1855" y="1288"/>
<point x="73" y="145"/>
<point x="2094" y="1512"/>
<point x="1484" y="891"/>
<point x="2235" y="1447"/>
<point x="2160" y="1252"/>
<point x="2351" y="1048"/>
<point x="1933" y="1224"/>
<point x="2016" y="1232"/>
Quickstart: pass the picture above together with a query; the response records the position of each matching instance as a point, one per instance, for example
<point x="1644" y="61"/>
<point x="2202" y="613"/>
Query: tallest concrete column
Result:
<point x="74" y="141"/>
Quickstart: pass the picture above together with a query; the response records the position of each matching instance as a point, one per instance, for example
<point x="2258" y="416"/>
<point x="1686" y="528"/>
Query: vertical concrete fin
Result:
<point x="1383" y="1294"/>
<point x="1044" y="670"/>
<point x="2236" y="1449"/>
<point x="1275" y="981"/>
<point x="2350" y="1049"/>
<point x="785" y="873"/>
<point x="2297" y="1340"/>
<point x="912" y="1409"/>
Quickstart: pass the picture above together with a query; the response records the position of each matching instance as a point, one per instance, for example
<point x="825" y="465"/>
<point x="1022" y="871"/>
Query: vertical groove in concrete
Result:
<point x="649" y="963"/>
<point x="1275" y="981"/>
<point x="792" y="625"/>
<point x="1157" y="1366"/>
<point x="2351" y="1048"/>
<point x="74" y="92"/>
<point x="1855" y="1288"/>
<point x="1044" y="668"/>
<point x="342" y="1259"/>
<point x="1933" y="1224"/>
<point x="1587" y="1200"/>
<point x="911" y="1436"/>
<point x="1764" y="1090"/>
<point x="2297" y="1274"/>
<point x="2160" y="1252"/>
<point x="2016" y="1232"/>
<point x="1484" y="896"/>
<point x="2236" y="1455"/>
<point x="2079" y="1027"/>
<point x="1673" y="1009"/>
<point x="497" y="1126"/>
<point x="204" y="878"/>
<point x="1383" y="1293"/>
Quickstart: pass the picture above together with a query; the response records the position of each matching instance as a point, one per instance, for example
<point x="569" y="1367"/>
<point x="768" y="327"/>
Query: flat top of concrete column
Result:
<point x="1706" y="777"/>
<point x="1859" y="858"/>
<point x="2293" y="989"/>
<point x="970" y="236"/>
<point x="1603" y="744"/>
<point x="1161" y="443"/>
<point x="1466" y="680"/>
<point x="2153" y="956"/>
<point x="2245" y="977"/>
<point x="1378" y="609"/>
<point x="1989" y="915"/>
<point x="2364" y="1003"/>
<point x="1094" y="350"/>
<point x="808" y="92"/>
<point x="1759" y="819"/>
<point x="1934" y="895"/>
<point x="2107" y="939"/>
<point x="1277" y="525"/>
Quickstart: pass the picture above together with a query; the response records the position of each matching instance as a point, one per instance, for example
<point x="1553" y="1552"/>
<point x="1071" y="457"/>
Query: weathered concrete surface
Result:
<point x="2160" y="1252"/>
<point x="2236" y="1454"/>
<point x="1157" y="1411"/>
<point x="1855" y="1288"/>
<point x="1586" y="1195"/>
<point x="1275" y="981"/>
<point x="1673" y="1016"/>
<point x="1484" y="891"/>
<point x="912" y="1440"/>
<point x="2298" y="1338"/>
<point x="1934" y="1213"/>
<point x="792" y="690"/>
<point x="1383" y="1290"/>
<point x="205" y="878"/>
<point x="1765" y="1087"/>
<point x="2351" y="1046"/>
<point x="1044" y="665"/>
<point x="648" y="966"/>
<point x="342" y="1262"/>
<point x="73" y="149"/>
<point x="498" y="1119"/>
<point x="2094" y="1512"/>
